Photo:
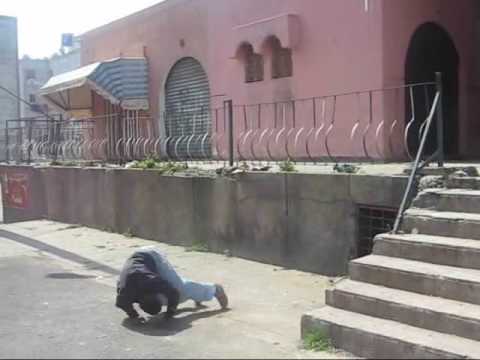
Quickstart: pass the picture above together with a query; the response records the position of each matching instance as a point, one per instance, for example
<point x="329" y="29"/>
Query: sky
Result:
<point x="41" y="22"/>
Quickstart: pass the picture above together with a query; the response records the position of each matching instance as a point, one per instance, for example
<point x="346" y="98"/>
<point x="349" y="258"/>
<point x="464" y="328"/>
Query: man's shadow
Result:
<point x="160" y="326"/>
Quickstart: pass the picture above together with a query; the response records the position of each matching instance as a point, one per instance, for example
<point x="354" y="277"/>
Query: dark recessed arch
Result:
<point x="432" y="50"/>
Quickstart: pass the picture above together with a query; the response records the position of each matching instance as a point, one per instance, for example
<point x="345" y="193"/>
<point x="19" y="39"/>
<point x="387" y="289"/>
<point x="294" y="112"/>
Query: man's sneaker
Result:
<point x="221" y="296"/>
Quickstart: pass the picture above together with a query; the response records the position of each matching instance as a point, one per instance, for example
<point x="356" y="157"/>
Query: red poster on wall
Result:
<point x="15" y="190"/>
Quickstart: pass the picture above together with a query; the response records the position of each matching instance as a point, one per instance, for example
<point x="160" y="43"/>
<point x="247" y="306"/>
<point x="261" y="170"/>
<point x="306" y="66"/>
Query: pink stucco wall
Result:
<point x="338" y="46"/>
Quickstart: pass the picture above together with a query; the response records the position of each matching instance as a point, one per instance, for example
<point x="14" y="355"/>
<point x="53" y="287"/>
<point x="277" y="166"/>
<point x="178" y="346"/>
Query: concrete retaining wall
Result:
<point x="307" y="222"/>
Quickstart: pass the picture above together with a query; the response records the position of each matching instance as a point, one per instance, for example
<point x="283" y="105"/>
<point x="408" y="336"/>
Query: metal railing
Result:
<point x="353" y="126"/>
<point x="23" y="136"/>
<point x="437" y="108"/>
<point x="366" y="126"/>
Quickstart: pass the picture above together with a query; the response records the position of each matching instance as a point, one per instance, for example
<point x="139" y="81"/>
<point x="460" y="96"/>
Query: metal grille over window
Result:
<point x="373" y="221"/>
<point x="282" y="65"/>
<point x="187" y="116"/>
<point x="253" y="67"/>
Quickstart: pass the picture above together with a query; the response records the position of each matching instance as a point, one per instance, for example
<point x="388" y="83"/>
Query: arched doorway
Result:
<point x="432" y="50"/>
<point x="187" y="109"/>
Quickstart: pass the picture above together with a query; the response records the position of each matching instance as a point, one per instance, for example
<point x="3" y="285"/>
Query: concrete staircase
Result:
<point x="418" y="294"/>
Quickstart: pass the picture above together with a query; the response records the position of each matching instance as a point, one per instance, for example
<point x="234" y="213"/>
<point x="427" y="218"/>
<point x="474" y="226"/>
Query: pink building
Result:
<point x="280" y="60"/>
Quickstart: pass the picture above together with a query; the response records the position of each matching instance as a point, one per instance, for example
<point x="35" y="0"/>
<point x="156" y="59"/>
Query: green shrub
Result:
<point x="346" y="168"/>
<point x="287" y="166"/>
<point x="162" y="167"/>
<point x="317" y="340"/>
<point x="128" y="233"/>
<point x="199" y="246"/>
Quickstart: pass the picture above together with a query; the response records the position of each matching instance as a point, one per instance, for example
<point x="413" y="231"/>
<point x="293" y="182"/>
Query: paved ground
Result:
<point x="57" y="285"/>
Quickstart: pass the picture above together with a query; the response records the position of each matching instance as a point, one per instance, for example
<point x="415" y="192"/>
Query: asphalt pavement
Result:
<point x="57" y="286"/>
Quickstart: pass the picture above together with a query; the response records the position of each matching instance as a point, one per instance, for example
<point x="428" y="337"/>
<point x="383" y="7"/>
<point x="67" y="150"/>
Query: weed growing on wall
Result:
<point x="198" y="246"/>
<point x="128" y="233"/>
<point x="317" y="340"/>
<point x="63" y="163"/>
<point x="287" y="166"/>
<point x="346" y="168"/>
<point x="162" y="167"/>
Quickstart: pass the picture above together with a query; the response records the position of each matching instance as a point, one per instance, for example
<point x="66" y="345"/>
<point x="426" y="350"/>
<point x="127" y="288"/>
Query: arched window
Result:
<point x="282" y="65"/>
<point x="254" y="65"/>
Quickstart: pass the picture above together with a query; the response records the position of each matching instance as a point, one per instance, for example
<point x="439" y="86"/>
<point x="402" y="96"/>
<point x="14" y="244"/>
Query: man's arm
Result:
<point x="124" y="301"/>
<point x="158" y="285"/>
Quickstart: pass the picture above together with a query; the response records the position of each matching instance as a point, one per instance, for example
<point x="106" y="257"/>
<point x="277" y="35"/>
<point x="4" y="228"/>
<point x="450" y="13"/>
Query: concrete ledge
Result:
<point x="427" y="312"/>
<point x="432" y="249"/>
<point x="376" y="338"/>
<point x="463" y="182"/>
<point x="445" y="171"/>
<point x="456" y="200"/>
<point x="423" y="278"/>
<point x="451" y="224"/>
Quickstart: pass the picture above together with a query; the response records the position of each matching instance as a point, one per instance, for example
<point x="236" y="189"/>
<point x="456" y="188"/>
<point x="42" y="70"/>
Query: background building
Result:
<point x="9" y="106"/>
<point x="34" y="73"/>
<point x="270" y="57"/>
<point x="67" y="59"/>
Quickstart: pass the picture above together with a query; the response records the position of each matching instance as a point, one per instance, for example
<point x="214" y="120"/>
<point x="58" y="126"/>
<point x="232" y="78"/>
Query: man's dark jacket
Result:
<point x="139" y="277"/>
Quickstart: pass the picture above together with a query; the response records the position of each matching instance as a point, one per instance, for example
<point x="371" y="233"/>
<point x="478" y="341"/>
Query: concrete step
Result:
<point x="444" y="171"/>
<point x="432" y="249"/>
<point x="432" y="313"/>
<point x="458" y="200"/>
<point x="443" y="223"/>
<point x="420" y="277"/>
<point x="463" y="182"/>
<point x="372" y="337"/>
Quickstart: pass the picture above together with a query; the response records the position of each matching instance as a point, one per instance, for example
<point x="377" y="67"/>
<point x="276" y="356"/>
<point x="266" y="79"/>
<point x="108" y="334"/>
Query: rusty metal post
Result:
<point x="228" y="104"/>
<point x="440" y="129"/>
<point x="56" y="136"/>
<point x="29" y="149"/>
<point x="120" y="135"/>
<point x="7" y="142"/>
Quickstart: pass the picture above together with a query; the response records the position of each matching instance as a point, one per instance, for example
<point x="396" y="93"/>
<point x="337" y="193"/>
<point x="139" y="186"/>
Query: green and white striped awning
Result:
<point x="122" y="81"/>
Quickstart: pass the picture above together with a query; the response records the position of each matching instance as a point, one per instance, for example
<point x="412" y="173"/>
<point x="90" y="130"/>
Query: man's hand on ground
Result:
<point x="139" y="320"/>
<point x="170" y="313"/>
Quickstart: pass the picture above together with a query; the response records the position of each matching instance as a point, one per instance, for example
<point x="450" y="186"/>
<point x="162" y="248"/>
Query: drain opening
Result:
<point x="372" y="221"/>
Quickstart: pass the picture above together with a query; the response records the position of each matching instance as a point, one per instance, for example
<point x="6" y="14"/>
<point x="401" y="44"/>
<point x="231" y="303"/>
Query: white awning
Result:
<point x="69" y="80"/>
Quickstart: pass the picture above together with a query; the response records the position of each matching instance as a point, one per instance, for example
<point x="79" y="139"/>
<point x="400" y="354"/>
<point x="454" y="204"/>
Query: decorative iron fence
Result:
<point x="433" y="125"/>
<point x="372" y="125"/>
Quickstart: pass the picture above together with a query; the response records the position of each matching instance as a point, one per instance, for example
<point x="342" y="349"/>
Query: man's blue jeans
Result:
<point x="188" y="290"/>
